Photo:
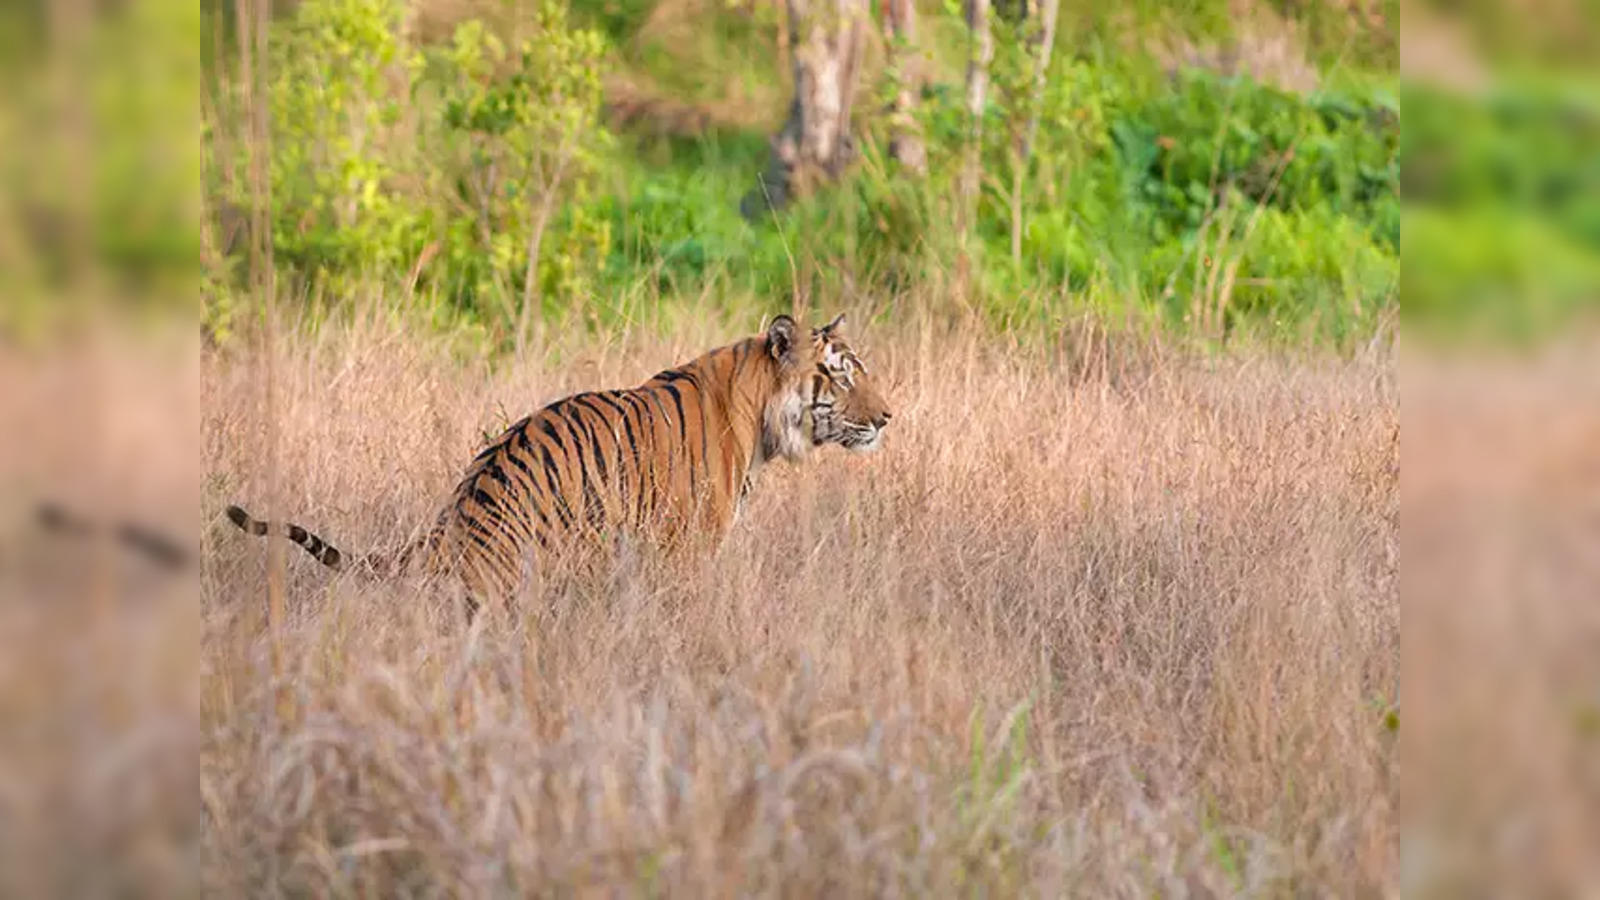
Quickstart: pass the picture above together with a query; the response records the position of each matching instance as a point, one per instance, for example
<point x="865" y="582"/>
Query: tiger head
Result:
<point x="826" y="383"/>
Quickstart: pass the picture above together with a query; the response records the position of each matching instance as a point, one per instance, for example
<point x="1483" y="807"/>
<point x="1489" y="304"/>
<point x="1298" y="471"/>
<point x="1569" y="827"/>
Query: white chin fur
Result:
<point x="869" y="445"/>
<point x="785" y="427"/>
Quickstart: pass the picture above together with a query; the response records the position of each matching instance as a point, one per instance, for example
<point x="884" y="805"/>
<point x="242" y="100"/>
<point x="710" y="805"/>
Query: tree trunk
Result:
<point x="905" y="137"/>
<point x="815" y="143"/>
<point x="981" y="51"/>
<point x="1045" y="39"/>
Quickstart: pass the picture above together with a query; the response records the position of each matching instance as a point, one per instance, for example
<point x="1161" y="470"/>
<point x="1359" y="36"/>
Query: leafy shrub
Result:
<point x="520" y="134"/>
<point x="1324" y="151"/>
<point x="457" y="164"/>
<point x="334" y="120"/>
<point x="1138" y="180"/>
<point x="1503" y="225"/>
<point x="478" y="173"/>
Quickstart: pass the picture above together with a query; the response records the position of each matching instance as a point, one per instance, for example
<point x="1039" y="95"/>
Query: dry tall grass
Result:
<point x="1079" y="629"/>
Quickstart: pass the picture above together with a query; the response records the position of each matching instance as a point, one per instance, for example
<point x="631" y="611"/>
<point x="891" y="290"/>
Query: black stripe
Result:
<point x="536" y="492"/>
<point x="611" y="432"/>
<point x="705" y="426"/>
<point x="310" y="542"/>
<point x="499" y="557"/>
<point x="544" y="520"/>
<point x="485" y="537"/>
<point x="574" y="417"/>
<point x="245" y="522"/>
<point x="669" y="451"/>
<point x="563" y="511"/>
<point x="515" y="458"/>
<point x="593" y="510"/>
<point x="550" y="430"/>
<point x="638" y="467"/>
<point x="507" y="516"/>
<point x="633" y="449"/>
<point x="609" y="402"/>
<point x="582" y="400"/>
<point x="644" y="411"/>
<point x="547" y="424"/>
<point x="55" y="518"/>
<point x="499" y="476"/>
<point x="319" y="550"/>
<point x="705" y="457"/>
<point x="591" y="501"/>
<point x="523" y="495"/>
<point x="576" y="450"/>
<point x="683" y="431"/>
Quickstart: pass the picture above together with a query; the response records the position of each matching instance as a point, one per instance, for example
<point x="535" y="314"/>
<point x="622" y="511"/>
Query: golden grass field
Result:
<point x="1100" y="619"/>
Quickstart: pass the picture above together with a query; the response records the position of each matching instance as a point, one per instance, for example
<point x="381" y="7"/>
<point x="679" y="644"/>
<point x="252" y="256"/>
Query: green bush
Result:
<point x="1114" y="198"/>
<point x="464" y="169"/>
<point x="520" y="138"/>
<point x="334" y="139"/>
<point x="477" y="172"/>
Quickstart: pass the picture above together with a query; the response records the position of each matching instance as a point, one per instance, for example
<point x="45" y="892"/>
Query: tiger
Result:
<point x="673" y="459"/>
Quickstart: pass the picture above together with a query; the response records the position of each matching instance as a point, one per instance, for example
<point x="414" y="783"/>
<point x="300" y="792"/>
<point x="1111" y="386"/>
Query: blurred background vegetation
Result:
<point x="1213" y="168"/>
<point x="1216" y="166"/>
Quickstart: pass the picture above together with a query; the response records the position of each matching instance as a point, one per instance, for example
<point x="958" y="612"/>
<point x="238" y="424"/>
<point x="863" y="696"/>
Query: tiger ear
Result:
<point x="827" y="330"/>
<point x="780" y="337"/>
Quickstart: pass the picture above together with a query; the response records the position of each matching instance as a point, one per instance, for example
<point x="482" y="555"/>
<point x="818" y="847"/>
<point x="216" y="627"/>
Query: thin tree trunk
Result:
<point x="1043" y="40"/>
<point x="1046" y="41"/>
<point x="981" y="51"/>
<point x="815" y="143"/>
<point x="1017" y="178"/>
<point x="905" y="137"/>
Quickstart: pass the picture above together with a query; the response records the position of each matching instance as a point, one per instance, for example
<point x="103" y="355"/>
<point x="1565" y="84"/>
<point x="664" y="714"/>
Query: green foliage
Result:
<point x="468" y="165"/>
<point x="1136" y="186"/>
<point x="1210" y="201"/>
<point x="1503" y="225"/>
<point x="522" y="135"/>
<point x="1154" y="182"/>
<point x="1328" y="152"/>
<point x="333" y="122"/>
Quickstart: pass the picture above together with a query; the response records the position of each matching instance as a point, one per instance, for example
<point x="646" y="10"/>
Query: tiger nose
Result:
<point x="882" y="419"/>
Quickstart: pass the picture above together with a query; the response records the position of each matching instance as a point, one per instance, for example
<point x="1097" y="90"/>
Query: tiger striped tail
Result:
<point x="320" y="550"/>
